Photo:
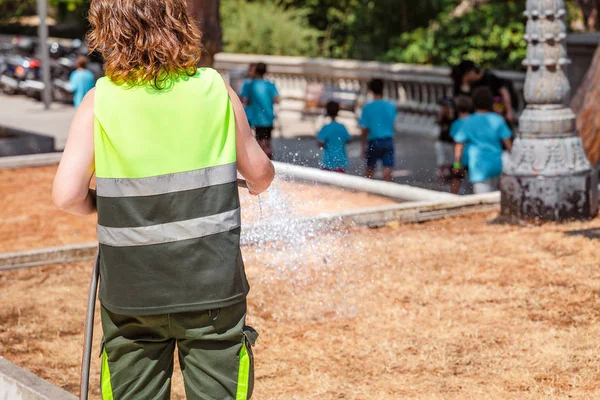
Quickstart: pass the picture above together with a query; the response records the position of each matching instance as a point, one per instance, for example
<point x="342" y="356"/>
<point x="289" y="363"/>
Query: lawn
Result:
<point x="450" y="309"/>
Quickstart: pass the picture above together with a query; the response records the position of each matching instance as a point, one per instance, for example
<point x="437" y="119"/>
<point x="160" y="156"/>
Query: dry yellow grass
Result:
<point x="29" y="220"/>
<point x="451" y="309"/>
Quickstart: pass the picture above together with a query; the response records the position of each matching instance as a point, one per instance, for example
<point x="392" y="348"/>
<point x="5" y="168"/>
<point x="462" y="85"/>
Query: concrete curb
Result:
<point x="17" y="383"/>
<point x="420" y="211"/>
<point x="32" y="160"/>
<point x="253" y="233"/>
<point x="21" y="142"/>
<point x="357" y="183"/>
<point x="48" y="256"/>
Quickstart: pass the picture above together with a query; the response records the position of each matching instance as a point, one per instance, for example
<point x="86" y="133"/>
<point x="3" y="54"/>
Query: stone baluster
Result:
<point x="548" y="176"/>
<point x="417" y="90"/>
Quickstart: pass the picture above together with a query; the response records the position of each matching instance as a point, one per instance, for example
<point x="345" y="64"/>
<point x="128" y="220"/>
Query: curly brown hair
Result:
<point x="144" y="42"/>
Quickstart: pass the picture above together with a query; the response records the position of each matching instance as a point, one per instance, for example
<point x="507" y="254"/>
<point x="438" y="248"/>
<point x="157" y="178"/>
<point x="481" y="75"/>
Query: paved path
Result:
<point x="21" y="113"/>
<point x="415" y="157"/>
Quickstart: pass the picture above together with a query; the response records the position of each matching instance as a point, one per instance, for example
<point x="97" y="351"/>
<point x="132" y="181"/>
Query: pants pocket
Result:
<point x="101" y="347"/>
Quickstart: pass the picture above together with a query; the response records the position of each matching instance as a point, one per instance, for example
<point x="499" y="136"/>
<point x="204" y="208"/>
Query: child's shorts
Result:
<point x="487" y="186"/>
<point x="263" y="132"/>
<point x="380" y="149"/>
<point x="444" y="153"/>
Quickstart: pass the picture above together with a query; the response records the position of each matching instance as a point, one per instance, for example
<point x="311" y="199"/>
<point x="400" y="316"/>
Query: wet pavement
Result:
<point x="415" y="159"/>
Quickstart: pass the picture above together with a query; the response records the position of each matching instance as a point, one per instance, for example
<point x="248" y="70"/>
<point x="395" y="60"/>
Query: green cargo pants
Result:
<point x="214" y="354"/>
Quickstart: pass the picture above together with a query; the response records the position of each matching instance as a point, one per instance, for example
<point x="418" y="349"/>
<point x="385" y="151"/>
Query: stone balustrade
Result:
<point x="415" y="88"/>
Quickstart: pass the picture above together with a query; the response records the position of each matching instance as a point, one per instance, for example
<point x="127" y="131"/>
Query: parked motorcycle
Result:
<point x="18" y="73"/>
<point x="62" y="63"/>
<point x="21" y="74"/>
<point x="61" y="72"/>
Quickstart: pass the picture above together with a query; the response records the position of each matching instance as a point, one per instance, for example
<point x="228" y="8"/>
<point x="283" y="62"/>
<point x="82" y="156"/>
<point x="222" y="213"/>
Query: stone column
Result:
<point x="548" y="176"/>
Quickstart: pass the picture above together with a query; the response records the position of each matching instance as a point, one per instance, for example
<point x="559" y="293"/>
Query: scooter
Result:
<point x="62" y="64"/>
<point x="17" y="72"/>
<point x="61" y="87"/>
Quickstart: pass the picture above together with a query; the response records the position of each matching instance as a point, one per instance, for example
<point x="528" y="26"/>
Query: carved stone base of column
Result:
<point x="555" y="198"/>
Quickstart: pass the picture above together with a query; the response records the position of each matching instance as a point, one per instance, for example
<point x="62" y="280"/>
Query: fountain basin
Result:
<point x="14" y="142"/>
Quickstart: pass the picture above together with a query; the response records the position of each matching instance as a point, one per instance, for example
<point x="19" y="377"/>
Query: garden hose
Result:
<point x="89" y="331"/>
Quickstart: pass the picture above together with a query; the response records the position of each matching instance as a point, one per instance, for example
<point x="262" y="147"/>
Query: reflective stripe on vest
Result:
<point x="167" y="197"/>
<point x="111" y="188"/>
<point x="170" y="232"/>
<point x="177" y="182"/>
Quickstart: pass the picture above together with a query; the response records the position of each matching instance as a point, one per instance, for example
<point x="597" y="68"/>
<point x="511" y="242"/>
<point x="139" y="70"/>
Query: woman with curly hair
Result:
<point x="165" y="140"/>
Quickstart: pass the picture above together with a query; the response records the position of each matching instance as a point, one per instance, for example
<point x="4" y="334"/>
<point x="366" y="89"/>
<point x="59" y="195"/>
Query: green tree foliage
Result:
<point x="364" y="29"/>
<point x="18" y="8"/>
<point x="422" y="32"/>
<point x="491" y="35"/>
<point x="268" y="28"/>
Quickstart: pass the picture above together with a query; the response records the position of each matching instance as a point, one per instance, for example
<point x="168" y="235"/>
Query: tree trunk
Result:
<point x="404" y="20"/>
<point x="586" y="106"/>
<point x="206" y="14"/>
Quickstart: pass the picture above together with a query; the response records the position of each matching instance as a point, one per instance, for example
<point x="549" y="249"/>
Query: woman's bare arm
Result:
<point x="252" y="162"/>
<point x="71" y="190"/>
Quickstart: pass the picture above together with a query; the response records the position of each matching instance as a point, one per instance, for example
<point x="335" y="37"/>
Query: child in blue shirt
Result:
<point x="378" y="121"/>
<point x="333" y="138"/>
<point x="245" y="88"/>
<point x="82" y="80"/>
<point x="484" y="132"/>
<point x="464" y="108"/>
<point x="261" y="97"/>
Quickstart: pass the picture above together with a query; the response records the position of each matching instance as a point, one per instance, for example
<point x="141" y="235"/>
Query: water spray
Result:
<point x="244" y="184"/>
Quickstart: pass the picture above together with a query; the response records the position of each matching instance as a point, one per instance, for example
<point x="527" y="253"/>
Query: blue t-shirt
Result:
<point x="81" y="81"/>
<point x="334" y="137"/>
<point x="244" y="90"/>
<point x="261" y="96"/>
<point x="379" y="117"/>
<point x="484" y="133"/>
<point x="454" y="129"/>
